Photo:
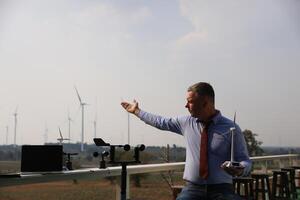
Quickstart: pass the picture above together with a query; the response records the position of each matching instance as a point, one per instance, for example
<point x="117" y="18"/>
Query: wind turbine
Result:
<point x="6" y="135"/>
<point x="61" y="139"/>
<point x="46" y="133"/>
<point x="69" y="120"/>
<point x="16" y="120"/>
<point x="95" y="126"/>
<point x="95" y="121"/>
<point x="128" y="127"/>
<point x="82" y="104"/>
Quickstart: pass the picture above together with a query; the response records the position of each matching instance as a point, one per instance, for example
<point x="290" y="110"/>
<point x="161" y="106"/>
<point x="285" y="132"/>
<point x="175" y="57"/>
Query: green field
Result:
<point x="9" y="167"/>
<point x="153" y="187"/>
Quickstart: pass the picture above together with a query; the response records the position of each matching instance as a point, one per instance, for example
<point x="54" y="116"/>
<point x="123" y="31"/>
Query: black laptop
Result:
<point x="42" y="158"/>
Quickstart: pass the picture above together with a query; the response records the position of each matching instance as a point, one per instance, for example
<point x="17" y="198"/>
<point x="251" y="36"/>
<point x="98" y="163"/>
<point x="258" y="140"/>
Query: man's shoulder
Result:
<point x="226" y="122"/>
<point x="186" y="118"/>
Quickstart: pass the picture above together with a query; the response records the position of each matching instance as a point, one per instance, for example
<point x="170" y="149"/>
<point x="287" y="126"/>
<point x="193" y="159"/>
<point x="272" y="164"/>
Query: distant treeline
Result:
<point x="280" y="150"/>
<point x="152" y="154"/>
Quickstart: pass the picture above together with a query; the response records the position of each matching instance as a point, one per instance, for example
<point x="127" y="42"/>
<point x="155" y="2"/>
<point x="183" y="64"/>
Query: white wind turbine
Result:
<point x="128" y="125"/>
<point x="6" y="135"/>
<point x="16" y="120"/>
<point x="95" y="126"/>
<point x="46" y="134"/>
<point x="69" y="123"/>
<point x="61" y="139"/>
<point x="82" y="104"/>
<point x="95" y="122"/>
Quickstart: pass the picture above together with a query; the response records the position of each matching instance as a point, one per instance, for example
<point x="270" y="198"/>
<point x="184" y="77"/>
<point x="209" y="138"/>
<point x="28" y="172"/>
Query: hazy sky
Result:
<point x="249" y="50"/>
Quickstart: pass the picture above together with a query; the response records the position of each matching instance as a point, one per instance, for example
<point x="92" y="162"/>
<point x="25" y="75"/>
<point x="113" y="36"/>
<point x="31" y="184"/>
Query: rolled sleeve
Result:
<point x="241" y="151"/>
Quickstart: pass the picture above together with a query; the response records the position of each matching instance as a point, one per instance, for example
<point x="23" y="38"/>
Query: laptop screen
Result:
<point x="41" y="158"/>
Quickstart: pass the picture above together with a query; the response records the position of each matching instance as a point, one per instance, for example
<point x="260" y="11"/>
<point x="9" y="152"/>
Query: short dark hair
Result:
<point x="203" y="89"/>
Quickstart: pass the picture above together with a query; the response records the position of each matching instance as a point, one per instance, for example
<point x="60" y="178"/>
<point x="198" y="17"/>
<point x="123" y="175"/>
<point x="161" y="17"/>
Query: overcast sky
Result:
<point x="249" y="50"/>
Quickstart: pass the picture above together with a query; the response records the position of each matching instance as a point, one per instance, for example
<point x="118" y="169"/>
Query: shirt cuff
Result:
<point x="247" y="168"/>
<point x="141" y="114"/>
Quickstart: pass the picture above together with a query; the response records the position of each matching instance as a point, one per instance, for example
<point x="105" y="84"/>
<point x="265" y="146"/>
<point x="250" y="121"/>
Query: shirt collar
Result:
<point x="214" y="119"/>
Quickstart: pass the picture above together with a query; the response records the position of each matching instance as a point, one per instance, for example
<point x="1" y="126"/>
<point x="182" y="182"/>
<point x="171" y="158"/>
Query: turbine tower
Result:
<point x="95" y="126"/>
<point x="128" y="127"/>
<point x="95" y="122"/>
<point x="16" y="120"/>
<point x="6" y="135"/>
<point x="46" y="134"/>
<point x="82" y="104"/>
<point x="69" y="123"/>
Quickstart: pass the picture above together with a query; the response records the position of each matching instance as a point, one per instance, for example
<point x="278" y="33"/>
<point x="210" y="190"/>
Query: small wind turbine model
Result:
<point x="82" y="104"/>
<point x="61" y="139"/>
<point x="232" y="131"/>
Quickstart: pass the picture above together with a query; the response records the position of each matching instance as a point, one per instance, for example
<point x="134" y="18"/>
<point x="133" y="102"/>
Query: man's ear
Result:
<point x="205" y="101"/>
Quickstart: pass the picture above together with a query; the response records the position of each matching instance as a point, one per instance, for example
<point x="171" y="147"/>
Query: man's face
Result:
<point x="195" y="104"/>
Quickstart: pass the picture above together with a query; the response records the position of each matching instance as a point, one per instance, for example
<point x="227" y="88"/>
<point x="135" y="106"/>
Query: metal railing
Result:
<point x="96" y="173"/>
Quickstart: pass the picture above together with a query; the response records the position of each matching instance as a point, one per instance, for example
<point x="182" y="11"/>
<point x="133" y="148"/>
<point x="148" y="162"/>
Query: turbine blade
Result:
<point x="78" y="95"/>
<point x="234" y="117"/>
<point x="60" y="133"/>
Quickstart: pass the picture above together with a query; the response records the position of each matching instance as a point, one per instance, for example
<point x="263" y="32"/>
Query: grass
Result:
<point x="152" y="188"/>
<point x="9" y="167"/>
<point x="66" y="190"/>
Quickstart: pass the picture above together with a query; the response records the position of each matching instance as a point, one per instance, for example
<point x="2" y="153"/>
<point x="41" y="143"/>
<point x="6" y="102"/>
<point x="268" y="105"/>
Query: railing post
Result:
<point x="128" y="187"/>
<point x="118" y="189"/>
<point x="266" y="166"/>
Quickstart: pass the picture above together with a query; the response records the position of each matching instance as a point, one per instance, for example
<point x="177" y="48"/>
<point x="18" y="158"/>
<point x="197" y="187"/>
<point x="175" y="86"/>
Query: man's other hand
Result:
<point x="233" y="170"/>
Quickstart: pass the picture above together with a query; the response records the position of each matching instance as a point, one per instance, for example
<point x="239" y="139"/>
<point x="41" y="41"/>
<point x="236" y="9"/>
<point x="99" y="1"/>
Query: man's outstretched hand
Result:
<point x="131" y="107"/>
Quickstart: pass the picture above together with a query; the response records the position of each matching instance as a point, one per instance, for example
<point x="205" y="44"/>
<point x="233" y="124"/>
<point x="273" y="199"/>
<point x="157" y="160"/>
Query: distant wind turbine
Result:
<point x="16" y="120"/>
<point x="6" y="135"/>
<point x="61" y="139"/>
<point x="69" y="120"/>
<point x="82" y="104"/>
<point x="128" y="127"/>
<point x="46" y="133"/>
<point x="95" y="126"/>
<point x="95" y="122"/>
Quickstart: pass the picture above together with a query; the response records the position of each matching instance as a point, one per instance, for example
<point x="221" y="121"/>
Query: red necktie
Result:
<point x="203" y="153"/>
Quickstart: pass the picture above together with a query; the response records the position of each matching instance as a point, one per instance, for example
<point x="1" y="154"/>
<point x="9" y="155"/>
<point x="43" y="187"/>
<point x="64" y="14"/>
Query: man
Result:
<point x="208" y="145"/>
